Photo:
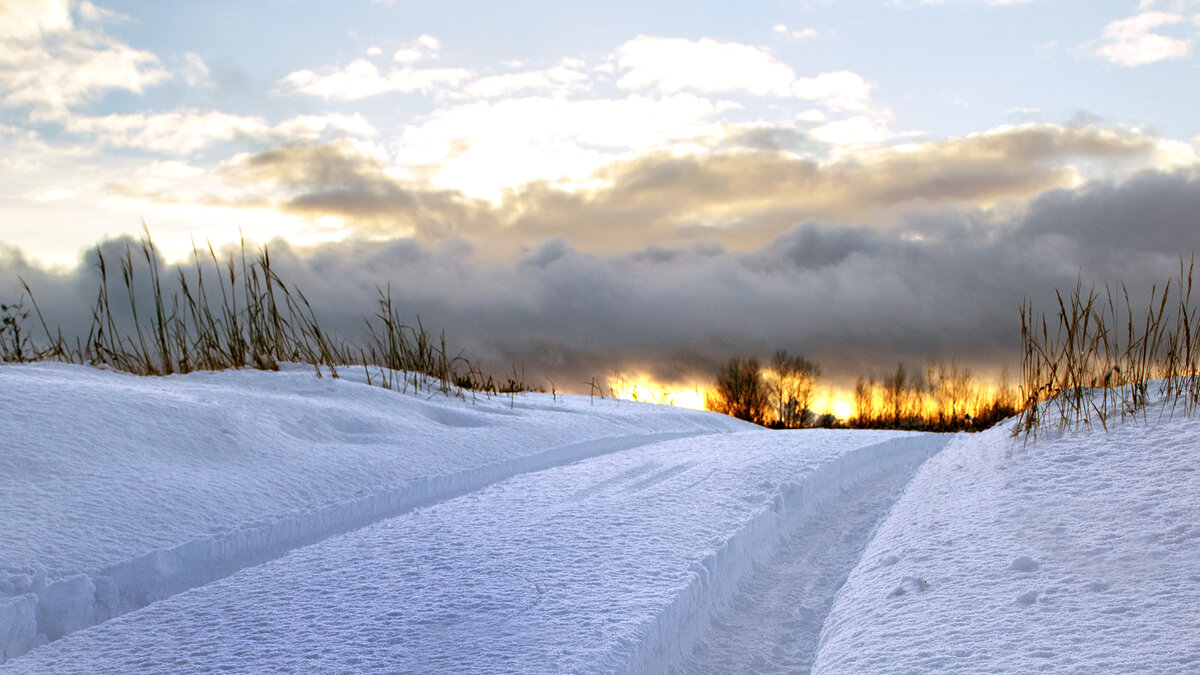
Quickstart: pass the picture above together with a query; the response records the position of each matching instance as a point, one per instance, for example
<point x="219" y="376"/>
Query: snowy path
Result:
<point x="774" y="624"/>
<point x="608" y="564"/>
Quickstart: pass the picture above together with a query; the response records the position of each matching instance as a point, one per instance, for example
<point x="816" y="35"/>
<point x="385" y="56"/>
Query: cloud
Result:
<point x="484" y="147"/>
<point x="195" y="70"/>
<point x="853" y="131"/>
<point x="423" y="48"/>
<point x="839" y="90"/>
<point x="29" y="20"/>
<point x="942" y="283"/>
<point x="750" y="187"/>
<point x="1133" y="42"/>
<point x="181" y="132"/>
<point x="671" y="65"/>
<point x="54" y="195"/>
<point x="185" y="132"/>
<point x="50" y="65"/>
<point x="781" y="32"/>
<point x="566" y="77"/>
<point x="346" y="180"/>
<point x="362" y="79"/>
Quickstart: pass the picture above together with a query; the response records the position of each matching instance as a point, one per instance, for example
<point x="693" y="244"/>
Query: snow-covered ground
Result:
<point x="1073" y="554"/>
<point x="257" y="522"/>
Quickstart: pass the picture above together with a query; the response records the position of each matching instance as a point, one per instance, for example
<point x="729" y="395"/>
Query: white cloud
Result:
<point x="423" y="48"/>
<point x="483" y="147"/>
<point x="813" y="116"/>
<point x="781" y="32"/>
<point x="362" y="79"/>
<point x="311" y="127"/>
<point x="195" y="71"/>
<point x="853" y="131"/>
<point x="54" y="195"/>
<point x="48" y="63"/>
<point x="563" y="78"/>
<point x="181" y="132"/>
<point x="188" y="131"/>
<point x="32" y="19"/>
<point x="672" y="65"/>
<point x="1132" y="42"/>
<point x="407" y="55"/>
<point x="840" y="90"/>
<point x="89" y="12"/>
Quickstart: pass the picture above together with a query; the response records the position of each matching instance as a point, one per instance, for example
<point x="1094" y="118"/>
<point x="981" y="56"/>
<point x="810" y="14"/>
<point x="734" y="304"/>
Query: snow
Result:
<point x="1072" y="554"/>
<point x="283" y="522"/>
<point x="149" y="486"/>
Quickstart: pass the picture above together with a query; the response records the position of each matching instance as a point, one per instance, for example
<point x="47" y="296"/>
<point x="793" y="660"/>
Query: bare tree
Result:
<point x="740" y="391"/>
<point x="895" y="393"/>
<point x="864" y="402"/>
<point x="792" y="383"/>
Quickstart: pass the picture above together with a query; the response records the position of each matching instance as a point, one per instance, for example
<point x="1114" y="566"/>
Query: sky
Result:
<point x="581" y="189"/>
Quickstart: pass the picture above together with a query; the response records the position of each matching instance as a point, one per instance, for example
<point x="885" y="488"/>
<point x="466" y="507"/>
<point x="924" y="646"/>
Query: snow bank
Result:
<point x="1072" y="554"/>
<point x="116" y="491"/>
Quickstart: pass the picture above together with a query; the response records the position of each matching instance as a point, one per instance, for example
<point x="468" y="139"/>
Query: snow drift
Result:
<point x="1075" y="553"/>
<point x="120" y="490"/>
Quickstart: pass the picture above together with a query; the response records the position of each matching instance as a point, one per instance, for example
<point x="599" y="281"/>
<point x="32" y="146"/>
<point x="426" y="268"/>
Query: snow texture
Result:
<point x="605" y="565"/>
<point x="1072" y="554"/>
<point x="121" y="490"/>
<point x="277" y="522"/>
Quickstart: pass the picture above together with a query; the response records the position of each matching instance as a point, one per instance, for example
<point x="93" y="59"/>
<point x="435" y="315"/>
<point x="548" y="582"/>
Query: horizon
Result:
<point x="612" y="188"/>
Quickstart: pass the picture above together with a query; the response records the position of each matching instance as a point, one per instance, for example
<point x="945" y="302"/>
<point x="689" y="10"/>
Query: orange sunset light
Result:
<point x="647" y="390"/>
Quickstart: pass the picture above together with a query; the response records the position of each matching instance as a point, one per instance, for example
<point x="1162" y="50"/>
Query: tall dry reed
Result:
<point x="1105" y="359"/>
<point x="234" y="312"/>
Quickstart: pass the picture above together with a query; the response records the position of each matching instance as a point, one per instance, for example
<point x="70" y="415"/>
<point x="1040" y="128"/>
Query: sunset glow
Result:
<point x="835" y="401"/>
<point x="648" y="391"/>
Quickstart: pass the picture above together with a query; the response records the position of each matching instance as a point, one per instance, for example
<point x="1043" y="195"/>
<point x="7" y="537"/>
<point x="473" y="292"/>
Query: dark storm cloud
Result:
<point x="858" y="299"/>
<point x="1152" y="212"/>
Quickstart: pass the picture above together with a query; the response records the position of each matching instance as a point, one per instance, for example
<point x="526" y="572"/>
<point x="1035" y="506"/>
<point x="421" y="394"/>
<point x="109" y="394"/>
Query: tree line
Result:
<point x="939" y="397"/>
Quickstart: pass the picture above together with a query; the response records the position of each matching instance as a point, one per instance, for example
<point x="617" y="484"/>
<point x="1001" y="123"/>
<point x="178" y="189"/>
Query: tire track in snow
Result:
<point x="759" y="602"/>
<point x="774" y="623"/>
<point x="59" y="607"/>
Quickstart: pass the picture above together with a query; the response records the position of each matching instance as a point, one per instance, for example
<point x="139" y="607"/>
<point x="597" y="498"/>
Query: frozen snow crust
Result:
<point x="1078" y="553"/>
<point x="117" y="491"/>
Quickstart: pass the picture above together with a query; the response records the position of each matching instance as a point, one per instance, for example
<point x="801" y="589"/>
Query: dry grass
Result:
<point x="234" y="312"/>
<point x="1105" y="360"/>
